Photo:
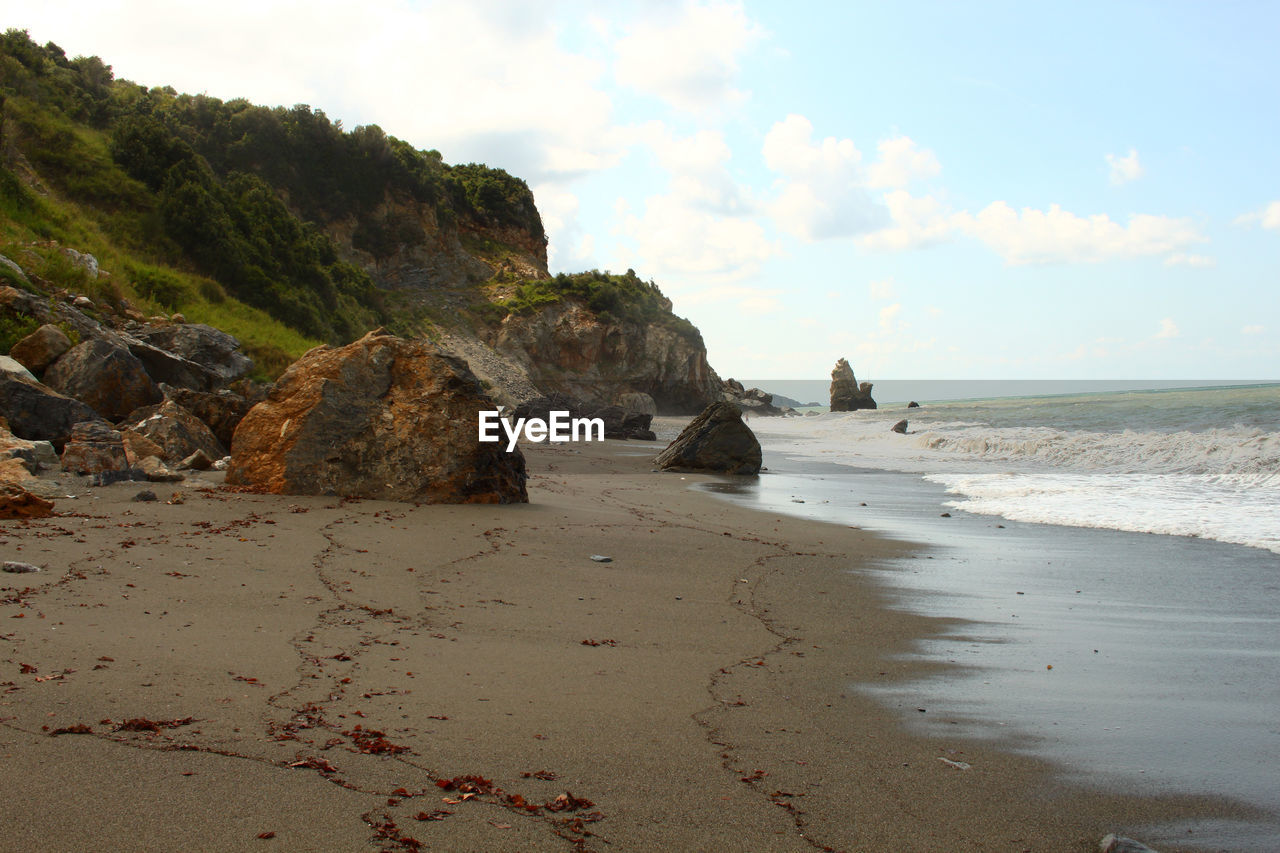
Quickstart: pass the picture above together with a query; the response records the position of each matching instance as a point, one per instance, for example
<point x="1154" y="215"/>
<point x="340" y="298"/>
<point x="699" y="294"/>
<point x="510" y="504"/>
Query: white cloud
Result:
<point x="1184" y="259"/>
<point x="1125" y="169"/>
<point x="674" y="238"/>
<point x="690" y="60"/>
<point x="882" y="289"/>
<point x="900" y="163"/>
<point x="822" y="190"/>
<point x="917" y="221"/>
<point x="1267" y="217"/>
<point x="1032" y="236"/>
<point x="1168" y="329"/>
<point x="1252" y="330"/>
<point x="889" y="316"/>
<point x="698" y="166"/>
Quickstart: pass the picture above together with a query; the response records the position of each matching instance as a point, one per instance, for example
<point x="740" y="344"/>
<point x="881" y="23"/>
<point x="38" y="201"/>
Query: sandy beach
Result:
<point x="231" y="671"/>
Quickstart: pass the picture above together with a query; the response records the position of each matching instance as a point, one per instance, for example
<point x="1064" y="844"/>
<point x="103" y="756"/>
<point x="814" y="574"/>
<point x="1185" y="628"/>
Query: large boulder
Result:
<point x="41" y="348"/>
<point x="212" y="349"/>
<point x="715" y="441"/>
<point x="95" y="448"/>
<point x="382" y="418"/>
<point x="846" y="394"/>
<point x="39" y="413"/>
<point x="178" y="432"/>
<point x="106" y="376"/>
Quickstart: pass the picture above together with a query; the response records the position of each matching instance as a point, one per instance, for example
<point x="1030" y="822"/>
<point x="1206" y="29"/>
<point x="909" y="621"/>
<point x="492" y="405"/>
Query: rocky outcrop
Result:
<point x="41" y="348"/>
<point x="105" y="376"/>
<point x="846" y="394"/>
<point x="619" y="422"/>
<point x="380" y="418"/>
<point x="567" y="348"/>
<point x="39" y="413"/>
<point x="177" y="432"/>
<point x="716" y="441"/>
<point x="750" y="401"/>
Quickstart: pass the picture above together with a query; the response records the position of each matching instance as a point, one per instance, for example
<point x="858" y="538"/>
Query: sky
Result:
<point x="934" y="190"/>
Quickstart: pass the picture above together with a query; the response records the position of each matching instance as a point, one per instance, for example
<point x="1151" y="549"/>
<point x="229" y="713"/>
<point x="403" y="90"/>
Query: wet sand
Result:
<point x="359" y="675"/>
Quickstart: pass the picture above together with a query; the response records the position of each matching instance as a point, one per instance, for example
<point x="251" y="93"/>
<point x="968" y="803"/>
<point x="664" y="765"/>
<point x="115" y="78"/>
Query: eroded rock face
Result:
<point x="567" y="348"/>
<point x="380" y="418"/>
<point x="846" y="394"/>
<point x="716" y="441"/>
<point x="105" y="376"/>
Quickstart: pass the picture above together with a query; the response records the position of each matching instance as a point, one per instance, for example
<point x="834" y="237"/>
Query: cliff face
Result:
<point x="414" y="249"/>
<point x="569" y="348"/>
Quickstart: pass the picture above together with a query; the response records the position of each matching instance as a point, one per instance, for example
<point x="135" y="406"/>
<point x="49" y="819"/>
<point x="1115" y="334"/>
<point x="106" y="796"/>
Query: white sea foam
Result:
<point x="1135" y="462"/>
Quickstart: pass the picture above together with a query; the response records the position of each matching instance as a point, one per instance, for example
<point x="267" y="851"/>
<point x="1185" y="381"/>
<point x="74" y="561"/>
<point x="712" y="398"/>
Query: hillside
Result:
<point x="283" y="228"/>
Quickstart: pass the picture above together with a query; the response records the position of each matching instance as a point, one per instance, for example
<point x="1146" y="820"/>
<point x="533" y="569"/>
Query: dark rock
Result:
<point x="750" y="401"/>
<point x="900" y="426"/>
<point x="221" y="411"/>
<point x="178" y="432"/>
<point x="621" y="424"/>
<point x="716" y="440"/>
<point x="913" y="405"/>
<point x="95" y="448"/>
<point x="173" y="369"/>
<point x="208" y="347"/>
<point x="638" y="402"/>
<point x="41" y="348"/>
<point x="105" y="376"/>
<point x="542" y="407"/>
<point x="383" y="418"/>
<point x="197" y="461"/>
<point x="145" y="495"/>
<point x="846" y="394"/>
<point x="39" y="413"/>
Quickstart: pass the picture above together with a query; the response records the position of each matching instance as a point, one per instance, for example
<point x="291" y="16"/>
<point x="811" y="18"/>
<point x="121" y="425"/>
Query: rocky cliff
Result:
<point x="568" y="348"/>
<point x="287" y="230"/>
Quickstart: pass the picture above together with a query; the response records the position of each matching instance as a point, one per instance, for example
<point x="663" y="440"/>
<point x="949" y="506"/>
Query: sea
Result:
<point x="1105" y="566"/>
<point x="1188" y="462"/>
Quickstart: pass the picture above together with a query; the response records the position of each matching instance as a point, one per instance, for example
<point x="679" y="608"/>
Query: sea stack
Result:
<point x="846" y="394"/>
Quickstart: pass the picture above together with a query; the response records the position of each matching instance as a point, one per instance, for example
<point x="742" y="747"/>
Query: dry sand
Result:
<point x="241" y="664"/>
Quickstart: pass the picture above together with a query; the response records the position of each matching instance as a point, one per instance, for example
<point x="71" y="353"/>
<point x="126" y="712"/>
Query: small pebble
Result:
<point x="601" y="558"/>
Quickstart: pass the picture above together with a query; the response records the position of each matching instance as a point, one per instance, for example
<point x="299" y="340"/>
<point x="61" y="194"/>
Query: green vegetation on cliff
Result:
<point x="622" y="298"/>
<point x="215" y="208"/>
<point x="272" y="223"/>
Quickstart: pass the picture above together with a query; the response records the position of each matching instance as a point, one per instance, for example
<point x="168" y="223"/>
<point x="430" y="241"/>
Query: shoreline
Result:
<point x="1175" y="700"/>
<point x="339" y="660"/>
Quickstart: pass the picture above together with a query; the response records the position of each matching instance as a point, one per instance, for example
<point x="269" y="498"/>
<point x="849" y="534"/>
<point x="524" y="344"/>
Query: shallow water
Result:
<point x="1139" y="661"/>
